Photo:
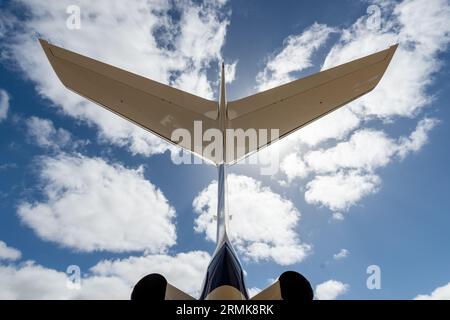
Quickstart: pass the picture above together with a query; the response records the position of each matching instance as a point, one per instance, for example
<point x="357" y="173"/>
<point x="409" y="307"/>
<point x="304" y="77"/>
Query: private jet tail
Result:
<point x="162" y="109"/>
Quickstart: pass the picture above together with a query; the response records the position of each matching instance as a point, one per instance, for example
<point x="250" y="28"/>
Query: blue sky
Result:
<point x="78" y="186"/>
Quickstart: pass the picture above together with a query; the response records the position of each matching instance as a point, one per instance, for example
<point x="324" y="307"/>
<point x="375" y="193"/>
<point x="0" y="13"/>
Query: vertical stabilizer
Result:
<point x="222" y="205"/>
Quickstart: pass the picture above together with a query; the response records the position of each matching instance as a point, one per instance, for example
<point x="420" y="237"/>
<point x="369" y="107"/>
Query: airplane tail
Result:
<point x="161" y="109"/>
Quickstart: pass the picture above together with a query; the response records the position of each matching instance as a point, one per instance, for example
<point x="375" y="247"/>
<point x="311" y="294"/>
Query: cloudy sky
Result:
<point x="364" y="186"/>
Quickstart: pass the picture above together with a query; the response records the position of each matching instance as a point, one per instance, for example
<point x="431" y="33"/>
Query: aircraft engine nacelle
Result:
<point x="290" y="286"/>
<point x="154" y="287"/>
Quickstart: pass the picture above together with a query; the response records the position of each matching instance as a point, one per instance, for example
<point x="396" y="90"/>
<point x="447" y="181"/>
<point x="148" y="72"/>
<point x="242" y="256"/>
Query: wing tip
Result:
<point x="46" y="46"/>
<point x="386" y="62"/>
<point x="391" y="51"/>
<point x="390" y="54"/>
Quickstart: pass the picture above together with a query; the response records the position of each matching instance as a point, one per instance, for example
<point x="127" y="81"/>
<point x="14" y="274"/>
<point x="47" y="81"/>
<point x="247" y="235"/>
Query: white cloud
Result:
<point x="336" y="125"/>
<point x="345" y="173"/>
<point x="417" y="139"/>
<point x="423" y="30"/>
<point x="339" y="176"/>
<point x="341" y="190"/>
<point x="338" y="216"/>
<point x="185" y="270"/>
<point x="146" y="40"/>
<point x="366" y="149"/>
<point x="402" y="91"/>
<point x="256" y="231"/>
<point x="230" y="72"/>
<point x="440" y="293"/>
<point x="92" y="205"/>
<point x="30" y="281"/>
<point x="293" y="166"/>
<point x="295" y="56"/>
<point x="203" y="29"/>
<point x="8" y="253"/>
<point x="331" y="290"/>
<point x="4" y="104"/>
<point x="109" y="279"/>
<point x="44" y="134"/>
<point x="343" y="253"/>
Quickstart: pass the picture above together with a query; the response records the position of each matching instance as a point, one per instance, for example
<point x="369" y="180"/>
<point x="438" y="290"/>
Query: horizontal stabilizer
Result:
<point x="298" y="103"/>
<point x="162" y="109"/>
<point x="151" y="105"/>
